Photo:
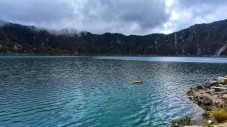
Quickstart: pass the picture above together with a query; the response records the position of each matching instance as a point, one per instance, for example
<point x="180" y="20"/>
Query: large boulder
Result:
<point x="199" y="87"/>
<point x="210" y="83"/>
<point x="220" y="105"/>
<point x="207" y="102"/>
<point x="206" y="114"/>
<point x="222" y="80"/>
<point x="199" y="102"/>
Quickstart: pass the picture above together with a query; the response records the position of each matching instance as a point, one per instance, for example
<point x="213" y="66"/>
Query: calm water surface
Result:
<point x="97" y="91"/>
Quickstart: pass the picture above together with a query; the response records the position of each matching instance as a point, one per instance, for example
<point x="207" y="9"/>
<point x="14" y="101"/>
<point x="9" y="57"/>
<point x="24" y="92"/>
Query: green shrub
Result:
<point x="174" y="124"/>
<point x="219" y="115"/>
<point x="181" y="122"/>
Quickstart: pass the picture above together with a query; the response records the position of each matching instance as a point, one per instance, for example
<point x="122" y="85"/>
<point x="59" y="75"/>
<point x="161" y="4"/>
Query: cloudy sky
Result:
<point x="117" y="16"/>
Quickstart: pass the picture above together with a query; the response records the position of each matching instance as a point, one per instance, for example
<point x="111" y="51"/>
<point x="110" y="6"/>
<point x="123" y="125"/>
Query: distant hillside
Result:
<point x="198" y="40"/>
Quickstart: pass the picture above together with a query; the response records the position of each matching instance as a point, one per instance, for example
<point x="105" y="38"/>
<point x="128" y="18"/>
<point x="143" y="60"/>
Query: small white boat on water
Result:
<point x="138" y="82"/>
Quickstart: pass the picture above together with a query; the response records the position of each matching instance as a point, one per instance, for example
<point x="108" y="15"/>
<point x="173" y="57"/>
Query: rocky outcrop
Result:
<point x="207" y="99"/>
<point x="198" y="40"/>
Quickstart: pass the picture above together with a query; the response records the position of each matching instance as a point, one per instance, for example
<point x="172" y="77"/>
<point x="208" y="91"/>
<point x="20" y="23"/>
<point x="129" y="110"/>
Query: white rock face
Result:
<point x="221" y="50"/>
<point x="221" y="79"/>
<point x="175" y="40"/>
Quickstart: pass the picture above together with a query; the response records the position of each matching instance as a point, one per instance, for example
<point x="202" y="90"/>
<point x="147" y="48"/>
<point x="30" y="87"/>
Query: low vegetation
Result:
<point x="181" y="122"/>
<point x="219" y="115"/>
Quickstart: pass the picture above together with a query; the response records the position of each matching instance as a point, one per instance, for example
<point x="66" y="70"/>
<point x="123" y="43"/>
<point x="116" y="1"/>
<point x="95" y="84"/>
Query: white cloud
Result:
<point x="184" y="13"/>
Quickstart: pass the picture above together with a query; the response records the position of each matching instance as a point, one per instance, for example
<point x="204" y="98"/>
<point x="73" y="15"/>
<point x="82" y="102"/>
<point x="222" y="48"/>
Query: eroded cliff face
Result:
<point x="198" y="40"/>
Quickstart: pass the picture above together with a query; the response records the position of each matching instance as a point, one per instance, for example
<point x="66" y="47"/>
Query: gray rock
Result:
<point x="207" y="102"/>
<point x="210" y="83"/>
<point x="199" y="87"/>
<point x="191" y="98"/>
<point x="206" y="114"/>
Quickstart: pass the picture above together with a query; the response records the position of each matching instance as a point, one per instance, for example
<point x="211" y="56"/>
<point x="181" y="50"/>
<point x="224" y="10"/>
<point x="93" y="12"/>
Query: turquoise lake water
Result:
<point x="52" y="91"/>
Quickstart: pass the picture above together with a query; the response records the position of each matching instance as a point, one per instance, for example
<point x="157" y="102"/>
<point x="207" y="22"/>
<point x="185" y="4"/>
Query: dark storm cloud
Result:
<point x="36" y="11"/>
<point x="147" y="13"/>
<point x="98" y="16"/>
<point x="122" y="16"/>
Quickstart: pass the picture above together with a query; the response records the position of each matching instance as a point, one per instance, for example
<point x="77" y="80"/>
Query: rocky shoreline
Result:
<point x="210" y="96"/>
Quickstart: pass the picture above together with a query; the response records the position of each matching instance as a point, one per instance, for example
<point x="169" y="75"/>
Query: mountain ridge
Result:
<point x="208" y="39"/>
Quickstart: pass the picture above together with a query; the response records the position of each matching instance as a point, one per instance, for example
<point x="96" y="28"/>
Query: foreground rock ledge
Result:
<point x="209" y="96"/>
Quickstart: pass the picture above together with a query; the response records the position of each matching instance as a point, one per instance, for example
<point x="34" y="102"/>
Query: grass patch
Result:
<point x="181" y="122"/>
<point x="219" y="115"/>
